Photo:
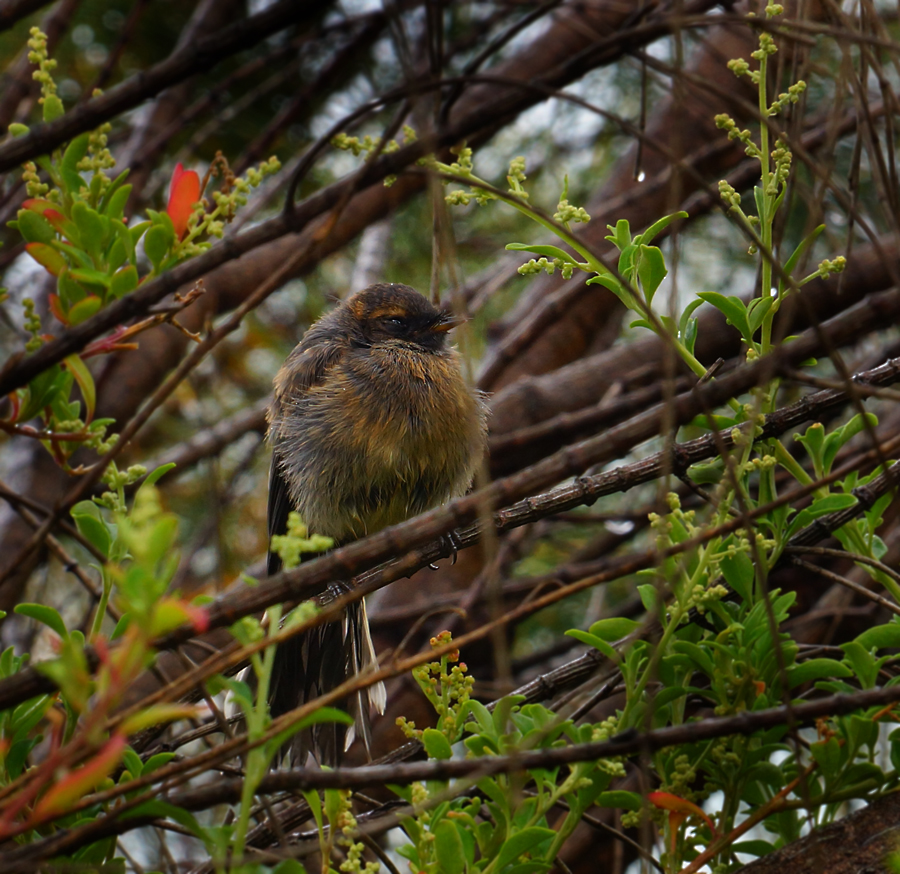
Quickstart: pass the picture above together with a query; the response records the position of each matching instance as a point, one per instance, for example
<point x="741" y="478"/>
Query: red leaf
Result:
<point x="679" y="810"/>
<point x="199" y="617"/>
<point x="668" y="801"/>
<point x="82" y="781"/>
<point x="56" y="309"/>
<point x="16" y="403"/>
<point x="37" y="205"/>
<point x="57" y="220"/>
<point x="184" y="192"/>
<point x="47" y="257"/>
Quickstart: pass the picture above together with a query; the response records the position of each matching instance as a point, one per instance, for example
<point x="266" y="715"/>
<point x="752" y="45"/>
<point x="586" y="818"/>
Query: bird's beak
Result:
<point x="447" y="322"/>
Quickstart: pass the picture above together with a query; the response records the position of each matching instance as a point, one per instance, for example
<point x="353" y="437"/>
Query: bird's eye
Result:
<point x="397" y="321"/>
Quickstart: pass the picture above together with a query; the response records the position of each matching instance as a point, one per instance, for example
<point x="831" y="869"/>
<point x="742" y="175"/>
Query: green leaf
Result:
<point x="621" y="234"/>
<point x="831" y="504"/>
<point x="651" y="270"/>
<point x="46" y="616"/>
<point x="617" y="288"/>
<point x="753" y="848"/>
<point x="89" y="276"/>
<point x="85" y="381"/>
<point x="760" y="197"/>
<point x="732" y="308"/>
<point x="698" y="655"/>
<point x="84" y="309"/>
<point x="880" y="637"/>
<point x="613" y="629"/>
<point x="116" y="256"/>
<point x="78" y="257"/>
<point x="739" y="574"/>
<point x="34" y="227"/>
<point x="124" y="281"/>
<point x="665" y="696"/>
<point x="687" y="326"/>
<point x="837" y="438"/>
<point x="40" y="392"/>
<point x="156" y="244"/>
<point x="522" y="842"/>
<point x="817" y="669"/>
<point x="68" y="167"/>
<point x="132" y="762"/>
<point x="649" y="597"/>
<point x="545" y="251"/>
<point x="862" y="663"/>
<point x="157" y="761"/>
<point x="820" y="507"/>
<point x="92" y="526"/>
<point x="658" y="226"/>
<point x="436" y="744"/>
<point x="814" y="442"/>
<point x="620" y="798"/>
<point x="449" y="849"/>
<point x="503" y="710"/>
<point x="594" y="641"/>
<point x="483" y="718"/>
<point x="828" y="754"/>
<point x="92" y="228"/>
<point x="18" y="755"/>
<point x="757" y="310"/>
<point x="156" y="474"/>
<point x="135" y="232"/>
<point x="116" y="206"/>
<point x="121" y="625"/>
<point x="626" y="261"/>
<point x="123" y="237"/>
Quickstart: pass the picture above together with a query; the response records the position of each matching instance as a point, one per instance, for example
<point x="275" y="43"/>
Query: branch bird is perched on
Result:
<point x="371" y="423"/>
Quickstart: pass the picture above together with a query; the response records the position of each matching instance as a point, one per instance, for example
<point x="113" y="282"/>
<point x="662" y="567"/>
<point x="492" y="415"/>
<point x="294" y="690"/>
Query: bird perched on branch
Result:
<point x="371" y="423"/>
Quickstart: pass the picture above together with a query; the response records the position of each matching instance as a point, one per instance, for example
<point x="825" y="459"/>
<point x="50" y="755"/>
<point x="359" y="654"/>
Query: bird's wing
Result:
<point x="306" y="367"/>
<point x="279" y="508"/>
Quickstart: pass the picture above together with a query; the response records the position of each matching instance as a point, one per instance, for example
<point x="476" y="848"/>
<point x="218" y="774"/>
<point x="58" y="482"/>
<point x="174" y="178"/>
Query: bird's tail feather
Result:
<point x="313" y="663"/>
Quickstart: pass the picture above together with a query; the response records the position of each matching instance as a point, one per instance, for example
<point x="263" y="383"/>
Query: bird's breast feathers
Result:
<point x="388" y="433"/>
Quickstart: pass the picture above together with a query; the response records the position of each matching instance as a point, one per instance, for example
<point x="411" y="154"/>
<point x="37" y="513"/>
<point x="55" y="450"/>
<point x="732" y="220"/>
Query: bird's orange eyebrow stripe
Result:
<point x="387" y="312"/>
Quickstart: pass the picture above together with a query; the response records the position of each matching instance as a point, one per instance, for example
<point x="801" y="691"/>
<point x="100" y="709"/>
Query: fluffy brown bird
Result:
<point x="371" y="423"/>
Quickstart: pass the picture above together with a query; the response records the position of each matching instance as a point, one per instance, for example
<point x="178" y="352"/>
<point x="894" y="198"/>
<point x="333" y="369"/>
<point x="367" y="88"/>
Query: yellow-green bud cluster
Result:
<point x="516" y="177"/>
<point x="33" y="185"/>
<point x="766" y="47"/>
<point x="39" y="55"/>
<point x="297" y="541"/>
<point x="792" y="95"/>
<point x="728" y="194"/>
<point x="827" y="267"/>
<point x="729" y="125"/>
<point x="781" y="157"/>
<point x="548" y="265"/>
<point x="566" y="213"/>
<point x="32" y="325"/>
<point x="98" y="157"/>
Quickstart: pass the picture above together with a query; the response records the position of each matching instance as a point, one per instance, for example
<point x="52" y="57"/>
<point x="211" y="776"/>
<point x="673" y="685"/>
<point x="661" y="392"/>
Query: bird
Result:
<point x="371" y="423"/>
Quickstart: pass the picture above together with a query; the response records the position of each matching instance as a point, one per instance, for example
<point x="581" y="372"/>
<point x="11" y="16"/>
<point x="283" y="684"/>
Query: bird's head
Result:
<point x="392" y="312"/>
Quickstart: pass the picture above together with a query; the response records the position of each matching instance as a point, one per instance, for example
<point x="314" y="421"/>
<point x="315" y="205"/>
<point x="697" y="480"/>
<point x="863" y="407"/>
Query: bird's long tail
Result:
<point x="315" y="662"/>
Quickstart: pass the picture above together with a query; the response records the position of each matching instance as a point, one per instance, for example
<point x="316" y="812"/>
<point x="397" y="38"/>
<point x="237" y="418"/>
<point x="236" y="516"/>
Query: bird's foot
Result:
<point x="451" y="543"/>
